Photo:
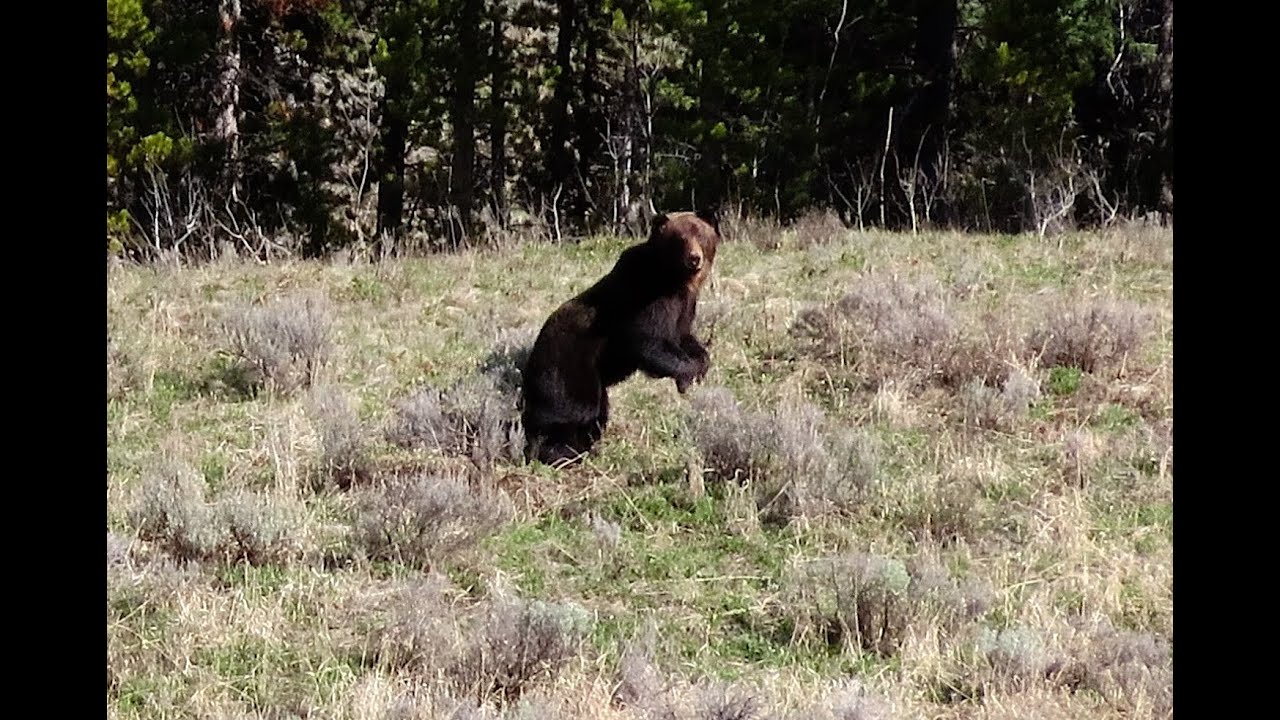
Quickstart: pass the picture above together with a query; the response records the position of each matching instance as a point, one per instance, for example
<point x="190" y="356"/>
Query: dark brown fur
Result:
<point x="637" y="317"/>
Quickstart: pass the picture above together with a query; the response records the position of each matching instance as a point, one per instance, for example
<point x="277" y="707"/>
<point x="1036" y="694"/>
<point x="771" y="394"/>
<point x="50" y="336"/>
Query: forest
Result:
<point x="301" y="127"/>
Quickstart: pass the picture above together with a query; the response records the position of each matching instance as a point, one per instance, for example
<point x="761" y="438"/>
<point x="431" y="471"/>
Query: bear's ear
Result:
<point x="659" y="220"/>
<point x="710" y="214"/>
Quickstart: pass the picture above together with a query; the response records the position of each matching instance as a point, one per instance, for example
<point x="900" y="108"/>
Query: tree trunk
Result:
<point x="226" y="126"/>
<point x="559" y="161"/>
<point x="710" y="189"/>
<point x="1166" y="91"/>
<point x="498" y="116"/>
<point x="464" y="112"/>
<point x="935" y="60"/>
<point x="588" y="114"/>
<point x="395" y="129"/>
<point x="632" y="192"/>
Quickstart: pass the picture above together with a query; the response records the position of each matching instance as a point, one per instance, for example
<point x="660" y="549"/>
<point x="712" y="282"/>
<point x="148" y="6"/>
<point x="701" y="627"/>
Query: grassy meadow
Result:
<point x="927" y="477"/>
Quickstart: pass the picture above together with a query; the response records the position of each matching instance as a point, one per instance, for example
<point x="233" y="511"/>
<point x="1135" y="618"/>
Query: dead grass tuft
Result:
<point x="763" y="233"/>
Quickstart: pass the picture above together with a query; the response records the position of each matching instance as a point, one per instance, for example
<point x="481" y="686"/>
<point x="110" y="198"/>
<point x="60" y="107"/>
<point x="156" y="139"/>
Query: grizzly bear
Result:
<point x="637" y="317"/>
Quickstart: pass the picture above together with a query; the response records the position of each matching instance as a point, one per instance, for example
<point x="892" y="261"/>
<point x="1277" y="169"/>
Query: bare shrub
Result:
<point x="1093" y="336"/>
<point x="517" y="644"/>
<point x="415" y="629"/>
<point x="474" y="418"/>
<point x="799" y="461"/>
<point x="344" y="454"/>
<point x="262" y="529"/>
<point x="285" y="343"/>
<point x="892" y="329"/>
<point x="640" y="683"/>
<point x="418" y="519"/>
<point x="170" y="511"/>
<point x="817" y="227"/>
<point x="764" y="233"/>
<point x="857" y="600"/>
<point x="724" y="701"/>
<point x="1130" y="668"/>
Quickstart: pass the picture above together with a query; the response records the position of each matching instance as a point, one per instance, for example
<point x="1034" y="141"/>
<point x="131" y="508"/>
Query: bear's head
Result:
<point x="687" y="242"/>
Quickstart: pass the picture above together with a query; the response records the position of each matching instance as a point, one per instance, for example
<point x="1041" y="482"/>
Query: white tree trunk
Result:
<point x="227" y="127"/>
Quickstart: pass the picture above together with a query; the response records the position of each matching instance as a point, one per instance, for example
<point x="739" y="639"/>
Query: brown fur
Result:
<point x="637" y="317"/>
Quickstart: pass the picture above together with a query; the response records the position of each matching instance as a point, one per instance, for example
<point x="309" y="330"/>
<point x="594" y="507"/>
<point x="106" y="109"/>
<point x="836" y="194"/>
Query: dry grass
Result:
<point x="927" y="476"/>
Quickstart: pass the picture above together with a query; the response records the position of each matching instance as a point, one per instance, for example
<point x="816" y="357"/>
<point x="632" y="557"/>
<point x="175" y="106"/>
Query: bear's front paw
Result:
<point x="702" y="370"/>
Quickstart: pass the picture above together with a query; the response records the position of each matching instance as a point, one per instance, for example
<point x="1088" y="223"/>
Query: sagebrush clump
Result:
<point x="800" y="463"/>
<point x="863" y="601"/>
<point x="889" y="329"/>
<point x="516" y="644"/>
<point x="344" y="449"/>
<point x="1092" y="335"/>
<point x="421" y="519"/>
<point x="496" y="650"/>
<point x="475" y="418"/>
<point x="286" y="342"/>
<point x="170" y="510"/>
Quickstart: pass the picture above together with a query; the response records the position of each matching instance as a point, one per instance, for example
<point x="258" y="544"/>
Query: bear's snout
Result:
<point x="693" y="262"/>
